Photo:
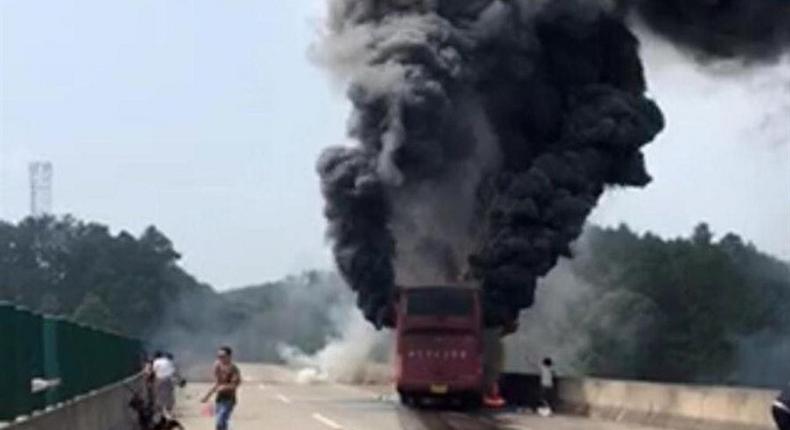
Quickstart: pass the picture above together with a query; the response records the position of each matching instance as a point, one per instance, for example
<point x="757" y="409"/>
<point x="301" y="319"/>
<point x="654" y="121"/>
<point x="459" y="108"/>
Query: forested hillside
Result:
<point x="699" y="301"/>
<point x="696" y="309"/>
<point x="134" y="285"/>
<point x="682" y="310"/>
<point x="63" y="266"/>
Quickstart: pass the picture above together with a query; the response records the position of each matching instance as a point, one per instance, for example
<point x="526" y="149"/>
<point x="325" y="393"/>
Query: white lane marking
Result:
<point x="388" y="397"/>
<point x="326" y="421"/>
<point x="261" y="387"/>
<point x="283" y="399"/>
<point x="361" y="391"/>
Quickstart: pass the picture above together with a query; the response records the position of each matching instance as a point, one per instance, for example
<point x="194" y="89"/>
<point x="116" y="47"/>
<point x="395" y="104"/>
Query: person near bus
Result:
<point x="781" y="409"/>
<point x="227" y="379"/>
<point x="547" y="384"/>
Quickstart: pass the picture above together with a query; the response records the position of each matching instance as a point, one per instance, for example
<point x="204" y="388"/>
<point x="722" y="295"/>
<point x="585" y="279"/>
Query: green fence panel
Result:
<point x="134" y="355"/>
<point x="89" y="359"/>
<point x="8" y="346"/>
<point x="24" y="330"/>
<point x="95" y="367"/>
<point x="68" y="357"/>
<point x="115" y="368"/>
<point x="83" y="363"/>
<point x="99" y="346"/>
<point x="51" y="358"/>
<point x="82" y="358"/>
<point x="34" y="324"/>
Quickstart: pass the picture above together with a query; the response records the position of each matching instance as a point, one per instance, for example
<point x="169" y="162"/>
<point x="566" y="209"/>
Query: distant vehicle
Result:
<point x="439" y="344"/>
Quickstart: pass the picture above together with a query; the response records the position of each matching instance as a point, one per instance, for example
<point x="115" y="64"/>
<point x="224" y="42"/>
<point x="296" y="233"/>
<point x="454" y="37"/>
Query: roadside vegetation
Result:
<point x="689" y="309"/>
<point x="693" y="309"/>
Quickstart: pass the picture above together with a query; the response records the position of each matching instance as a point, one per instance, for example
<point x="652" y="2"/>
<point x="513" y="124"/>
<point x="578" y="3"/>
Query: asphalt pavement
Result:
<point x="270" y="398"/>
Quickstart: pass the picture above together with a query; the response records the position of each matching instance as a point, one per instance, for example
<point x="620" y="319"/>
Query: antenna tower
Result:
<point x="40" y="188"/>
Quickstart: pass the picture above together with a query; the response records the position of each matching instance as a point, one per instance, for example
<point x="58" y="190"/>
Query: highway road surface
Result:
<point x="270" y="398"/>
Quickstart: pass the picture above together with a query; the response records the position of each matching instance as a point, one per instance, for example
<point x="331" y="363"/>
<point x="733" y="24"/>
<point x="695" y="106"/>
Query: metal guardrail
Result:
<point x="46" y="360"/>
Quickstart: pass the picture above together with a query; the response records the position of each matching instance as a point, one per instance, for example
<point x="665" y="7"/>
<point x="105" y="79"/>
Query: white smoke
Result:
<point x="358" y="356"/>
<point x="568" y="313"/>
<point x="548" y="329"/>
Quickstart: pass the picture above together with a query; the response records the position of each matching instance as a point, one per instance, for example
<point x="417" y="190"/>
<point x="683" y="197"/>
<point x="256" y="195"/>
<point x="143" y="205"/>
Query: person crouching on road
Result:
<point x="227" y="379"/>
<point x="781" y="409"/>
<point x="164" y="372"/>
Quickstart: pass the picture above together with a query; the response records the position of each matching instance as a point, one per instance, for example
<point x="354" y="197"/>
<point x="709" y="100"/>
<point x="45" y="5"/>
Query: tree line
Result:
<point x="690" y="309"/>
<point x="63" y="266"/>
<point x="133" y="284"/>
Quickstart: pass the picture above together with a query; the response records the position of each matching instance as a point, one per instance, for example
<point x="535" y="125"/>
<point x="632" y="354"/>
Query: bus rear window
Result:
<point x="440" y="303"/>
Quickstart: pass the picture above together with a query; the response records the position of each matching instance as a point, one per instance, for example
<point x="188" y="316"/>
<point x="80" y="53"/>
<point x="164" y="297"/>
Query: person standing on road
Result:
<point x="547" y="384"/>
<point x="781" y="409"/>
<point x="227" y="379"/>
<point x="164" y="372"/>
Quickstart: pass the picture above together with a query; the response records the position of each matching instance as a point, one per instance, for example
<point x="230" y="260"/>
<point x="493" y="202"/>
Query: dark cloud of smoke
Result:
<point x="485" y="132"/>
<point x="743" y="29"/>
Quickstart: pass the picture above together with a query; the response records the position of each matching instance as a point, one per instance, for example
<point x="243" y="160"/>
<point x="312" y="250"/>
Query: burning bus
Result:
<point x="439" y="344"/>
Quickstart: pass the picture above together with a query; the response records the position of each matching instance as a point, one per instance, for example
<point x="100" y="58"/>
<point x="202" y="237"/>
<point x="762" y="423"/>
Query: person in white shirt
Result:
<point x="164" y="370"/>
<point x="546" y="383"/>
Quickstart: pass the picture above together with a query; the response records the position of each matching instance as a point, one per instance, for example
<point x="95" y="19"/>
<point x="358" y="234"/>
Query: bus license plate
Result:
<point x="438" y="389"/>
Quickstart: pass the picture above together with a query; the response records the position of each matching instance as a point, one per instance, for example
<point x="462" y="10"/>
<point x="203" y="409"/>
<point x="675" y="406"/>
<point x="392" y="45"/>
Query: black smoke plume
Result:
<point x="484" y="133"/>
<point x="743" y="29"/>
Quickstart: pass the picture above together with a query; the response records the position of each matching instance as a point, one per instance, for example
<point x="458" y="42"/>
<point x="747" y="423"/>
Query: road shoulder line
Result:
<point x="326" y="421"/>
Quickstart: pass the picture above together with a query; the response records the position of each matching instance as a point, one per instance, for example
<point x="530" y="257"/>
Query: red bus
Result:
<point x="439" y="344"/>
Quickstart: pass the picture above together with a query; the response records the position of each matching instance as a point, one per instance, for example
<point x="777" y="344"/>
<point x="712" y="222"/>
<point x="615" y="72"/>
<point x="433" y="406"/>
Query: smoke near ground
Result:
<point x="483" y="135"/>
<point x="571" y="314"/>
<point x="302" y="310"/>
<point x="358" y="354"/>
<point x="307" y="321"/>
<point x="762" y="359"/>
<point x="549" y="329"/>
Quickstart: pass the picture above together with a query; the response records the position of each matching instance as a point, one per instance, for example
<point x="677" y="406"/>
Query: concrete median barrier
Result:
<point x="103" y="409"/>
<point x="674" y="406"/>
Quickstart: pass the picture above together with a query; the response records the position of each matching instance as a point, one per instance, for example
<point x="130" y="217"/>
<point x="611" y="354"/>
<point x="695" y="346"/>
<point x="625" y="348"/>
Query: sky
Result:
<point x="205" y="118"/>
